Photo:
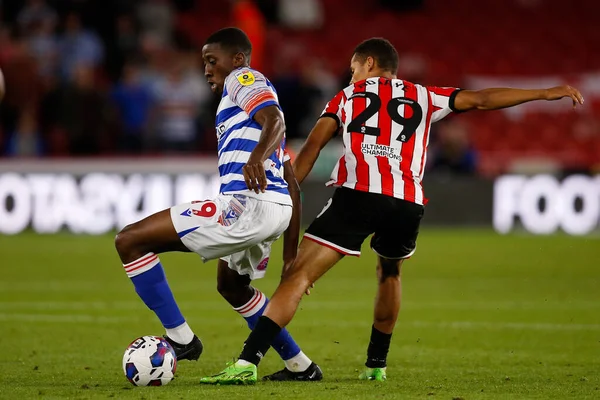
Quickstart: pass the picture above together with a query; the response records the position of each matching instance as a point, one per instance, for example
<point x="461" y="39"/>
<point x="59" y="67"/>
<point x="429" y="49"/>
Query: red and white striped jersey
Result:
<point x="385" y="125"/>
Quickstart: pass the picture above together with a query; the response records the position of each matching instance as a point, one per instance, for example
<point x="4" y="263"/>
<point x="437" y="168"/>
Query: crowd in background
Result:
<point x="90" y="78"/>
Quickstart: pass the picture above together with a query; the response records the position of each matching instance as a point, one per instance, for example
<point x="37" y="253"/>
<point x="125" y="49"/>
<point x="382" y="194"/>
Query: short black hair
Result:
<point x="233" y="39"/>
<point x="382" y="51"/>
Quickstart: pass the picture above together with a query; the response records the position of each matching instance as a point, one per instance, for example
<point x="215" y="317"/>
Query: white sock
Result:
<point x="182" y="334"/>
<point x="243" y="363"/>
<point x="298" y="363"/>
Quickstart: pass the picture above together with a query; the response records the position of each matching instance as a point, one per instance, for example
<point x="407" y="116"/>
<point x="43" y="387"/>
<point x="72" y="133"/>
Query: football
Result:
<point x="149" y="361"/>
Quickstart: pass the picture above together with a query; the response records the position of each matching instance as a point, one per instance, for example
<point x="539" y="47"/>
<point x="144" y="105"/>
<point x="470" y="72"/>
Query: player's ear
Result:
<point x="370" y="63"/>
<point x="240" y="59"/>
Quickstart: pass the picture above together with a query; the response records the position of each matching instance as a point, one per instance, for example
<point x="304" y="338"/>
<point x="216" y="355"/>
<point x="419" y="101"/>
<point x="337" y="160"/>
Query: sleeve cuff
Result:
<point x="452" y="99"/>
<point x="332" y="115"/>
<point x="263" y="105"/>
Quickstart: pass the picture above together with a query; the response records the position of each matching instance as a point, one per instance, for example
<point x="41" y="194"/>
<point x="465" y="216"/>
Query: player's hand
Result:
<point x="255" y="176"/>
<point x="312" y="285"/>
<point x="557" y="93"/>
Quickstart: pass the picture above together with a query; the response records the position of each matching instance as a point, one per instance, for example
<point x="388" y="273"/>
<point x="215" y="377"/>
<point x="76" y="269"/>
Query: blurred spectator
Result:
<point x="319" y="85"/>
<point x="247" y="17"/>
<point x="287" y="79"/>
<point x="7" y="45"/>
<point x="451" y="151"/>
<point x="81" y="112"/>
<point x="133" y="101"/>
<point x="156" y="17"/>
<point x="79" y="46"/>
<point x="270" y="9"/>
<point x="41" y="63"/>
<point x="178" y="96"/>
<point x="156" y="56"/>
<point x="34" y="13"/>
<point x="26" y="139"/>
<point x="43" y="45"/>
<point x="24" y="87"/>
<point x="304" y="85"/>
<point x="205" y="114"/>
<point x="126" y="37"/>
<point x="301" y="14"/>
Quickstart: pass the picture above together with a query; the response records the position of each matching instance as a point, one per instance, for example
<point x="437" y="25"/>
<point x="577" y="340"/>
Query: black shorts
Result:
<point x="351" y="215"/>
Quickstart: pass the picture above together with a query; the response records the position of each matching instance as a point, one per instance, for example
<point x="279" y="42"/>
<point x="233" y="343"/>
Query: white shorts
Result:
<point x="234" y="228"/>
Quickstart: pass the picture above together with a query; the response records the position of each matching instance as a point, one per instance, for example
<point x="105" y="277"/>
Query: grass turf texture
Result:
<point x="484" y="317"/>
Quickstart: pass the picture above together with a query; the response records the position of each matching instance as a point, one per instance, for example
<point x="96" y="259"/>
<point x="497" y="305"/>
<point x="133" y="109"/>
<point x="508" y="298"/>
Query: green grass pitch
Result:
<point x="484" y="317"/>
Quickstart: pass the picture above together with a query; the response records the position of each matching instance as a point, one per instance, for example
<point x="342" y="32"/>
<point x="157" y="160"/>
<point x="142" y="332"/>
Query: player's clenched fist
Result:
<point x="559" y="92"/>
<point x="255" y="176"/>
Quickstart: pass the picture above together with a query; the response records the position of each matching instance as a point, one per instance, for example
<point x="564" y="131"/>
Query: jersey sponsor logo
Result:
<point x="246" y="78"/>
<point x="271" y="166"/>
<point x="381" y="81"/>
<point x="228" y="218"/>
<point x="263" y="264"/>
<point x="381" y="150"/>
<point x="220" y="131"/>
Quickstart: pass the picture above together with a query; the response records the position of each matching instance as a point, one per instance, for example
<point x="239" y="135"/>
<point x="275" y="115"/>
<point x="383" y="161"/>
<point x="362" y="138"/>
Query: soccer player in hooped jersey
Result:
<point x="384" y="123"/>
<point x="238" y="227"/>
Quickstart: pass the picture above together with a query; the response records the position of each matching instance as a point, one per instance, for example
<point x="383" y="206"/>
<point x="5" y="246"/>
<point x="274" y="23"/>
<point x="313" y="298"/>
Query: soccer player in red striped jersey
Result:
<point x="384" y="123"/>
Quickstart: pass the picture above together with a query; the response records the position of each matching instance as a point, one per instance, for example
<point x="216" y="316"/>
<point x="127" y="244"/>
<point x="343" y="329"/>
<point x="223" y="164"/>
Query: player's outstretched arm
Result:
<point x="273" y="128"/>
<point x="291" y="235"/>
<point x="494" y="99"/>
<point x="321" y="134"/>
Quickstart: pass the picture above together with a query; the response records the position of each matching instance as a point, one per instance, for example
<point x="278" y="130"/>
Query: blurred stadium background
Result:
<point x="107" y="118"/>
<point x="117" y="87"/>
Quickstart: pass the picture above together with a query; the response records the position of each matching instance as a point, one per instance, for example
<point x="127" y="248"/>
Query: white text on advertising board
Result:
<point x="544" y="204"/>
<point x="95" y="204"/>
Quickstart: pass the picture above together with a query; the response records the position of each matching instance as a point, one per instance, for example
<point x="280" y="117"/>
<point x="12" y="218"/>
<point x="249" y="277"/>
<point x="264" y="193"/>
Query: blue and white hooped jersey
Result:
<point x="247" y="91"/>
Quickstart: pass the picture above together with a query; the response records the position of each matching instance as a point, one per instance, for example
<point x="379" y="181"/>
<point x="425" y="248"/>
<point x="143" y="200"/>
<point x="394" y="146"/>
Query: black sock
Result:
<point x="378" y="349"/>
<point x="259" y="341"/>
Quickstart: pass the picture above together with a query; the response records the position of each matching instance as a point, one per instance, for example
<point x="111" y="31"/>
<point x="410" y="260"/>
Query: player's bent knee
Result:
<point x="232" y="286"/>
<point x="126" y="242"/>
<point x="121" y="240"/>
<point x="297" y="279"/>
<point x="232" y="289"/>
<point x="228" y="293"/>
<point x="388" y="268"/>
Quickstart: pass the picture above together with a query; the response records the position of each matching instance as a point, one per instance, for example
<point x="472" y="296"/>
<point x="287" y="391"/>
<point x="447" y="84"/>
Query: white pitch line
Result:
<point x="357" y="305"/>
<point x="87" y="286"/>
<point x="538" y="326"/>
<point x="69" y="318"/>
<point x="217" y="303"/>
<point x="459" y="325"/>
<point x="100" y="305"/>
